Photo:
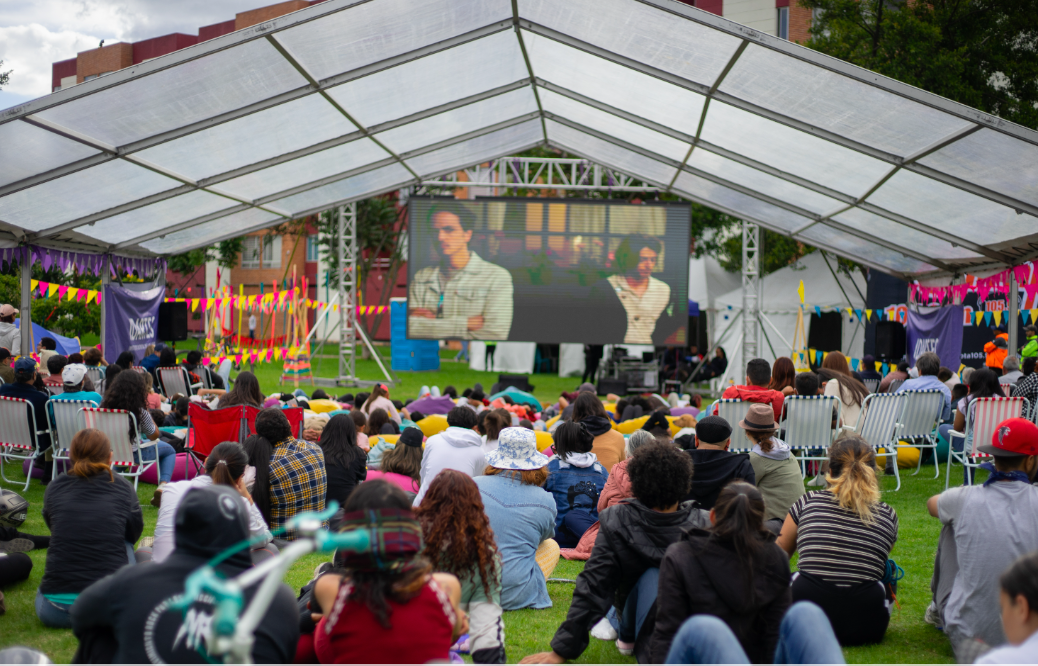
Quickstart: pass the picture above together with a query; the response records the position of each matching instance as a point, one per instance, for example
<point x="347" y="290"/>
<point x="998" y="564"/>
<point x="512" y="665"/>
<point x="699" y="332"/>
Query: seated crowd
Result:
<point x="687" y="525"/>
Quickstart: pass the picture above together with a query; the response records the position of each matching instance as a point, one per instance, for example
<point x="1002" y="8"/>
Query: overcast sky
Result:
<point x="36" y="33"/>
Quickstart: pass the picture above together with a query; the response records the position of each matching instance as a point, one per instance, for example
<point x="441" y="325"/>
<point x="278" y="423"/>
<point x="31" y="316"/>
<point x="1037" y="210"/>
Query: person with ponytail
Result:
<point x="224" y="466"/>
<point x="490" y="423"/>
<point x="844" y="535"/>
<point x="379" y="399"/>
<point x="775" y="469"/>
<point x="344" y="462"/>
<point x="260" y="451"/>
<point x="733" y="571"/>
<point x="94" y="519"/>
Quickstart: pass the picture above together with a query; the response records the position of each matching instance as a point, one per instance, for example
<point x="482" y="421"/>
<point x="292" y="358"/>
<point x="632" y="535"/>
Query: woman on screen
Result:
<point x="643" y="297"/>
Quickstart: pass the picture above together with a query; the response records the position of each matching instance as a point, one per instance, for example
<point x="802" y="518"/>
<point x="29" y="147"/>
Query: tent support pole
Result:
<point x="751" y="285"/>
<point x="106" y="279"/>
<point x="1014" y="313"/>
<point x="26" y="303"/>
<point x="347" y="294"/>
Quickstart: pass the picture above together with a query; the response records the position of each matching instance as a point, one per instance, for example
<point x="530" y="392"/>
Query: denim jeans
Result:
<point x="639" y="601"/>
<point x="167" y="459"/>
<point x="805" y="637"/>
<point x="51" y="614"/>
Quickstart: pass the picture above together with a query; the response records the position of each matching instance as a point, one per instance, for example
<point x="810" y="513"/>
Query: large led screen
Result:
<point x="548" y="270"/>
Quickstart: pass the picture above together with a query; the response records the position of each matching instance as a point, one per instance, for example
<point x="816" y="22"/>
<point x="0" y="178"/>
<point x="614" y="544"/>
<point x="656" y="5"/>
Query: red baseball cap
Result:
<point x="1013" y="437"/>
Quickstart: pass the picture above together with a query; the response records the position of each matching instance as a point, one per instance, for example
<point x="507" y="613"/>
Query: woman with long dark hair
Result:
<point x="344" y="462"/>
<point x="376" y="419"/>
<point x="224" y="466"/>
<point x="388" y="604"/>
<point x="246" y="391"/>
<point x="125" y="360"/>
<point x="734" y="571"/>
<point x="783" y="374"/>
<point x="842" y="384"/>
<point x="458" y="540"/>
<point x="129" y="391"/>
<point x="609" y="443"/>
<point x="260" y="451"/>
<point x="490" y="423"/>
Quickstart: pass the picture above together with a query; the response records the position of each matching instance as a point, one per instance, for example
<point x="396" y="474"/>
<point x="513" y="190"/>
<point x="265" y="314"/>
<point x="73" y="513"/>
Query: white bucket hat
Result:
<point x="517" y="450"/>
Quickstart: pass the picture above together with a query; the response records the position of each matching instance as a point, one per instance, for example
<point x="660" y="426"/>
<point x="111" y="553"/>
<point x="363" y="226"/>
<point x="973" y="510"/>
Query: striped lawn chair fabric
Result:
<point x="895" y="385"/>
<point x="984" y="417"/>
<point x="55" y="390"/>
<point x="65" y="422"/>
<point x="809" y="424"/>
<point x="116" y="424"/>
<point x="141" y="369"/>
<point x="96" y="375"/>
<point x="734" y="410"/>
<point x="878" y="425"/>
<point x="174" y="380"/>
<point x="920" y="416"/>
<point x="871" y="384"/>
<point x="18" y="435"/>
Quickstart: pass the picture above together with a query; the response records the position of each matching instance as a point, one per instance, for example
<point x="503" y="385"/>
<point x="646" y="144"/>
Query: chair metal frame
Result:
<point x="878" y="425"/>
<point x="981" y="427"/>
<point x="97" y="376"/>
<point x="871" y="384"/>
<point x="13" y="437"/>
<point x="919" y="423"/>
<point x="119" y="441"/>
<point x="61" y="430"/>
<point x="895" y="385"/>
<point x="733" y="410"/>
<point x="824" y="405"/>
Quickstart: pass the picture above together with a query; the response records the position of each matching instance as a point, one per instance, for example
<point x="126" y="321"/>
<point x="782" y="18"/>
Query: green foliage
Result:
<point x="225" y="253"/>
<point x="69" y="318"/>
<point x="720" y="236"/>
<point x="982" y="53"/>
<point x="5" y="77"/>
<point x="378" y="236"/>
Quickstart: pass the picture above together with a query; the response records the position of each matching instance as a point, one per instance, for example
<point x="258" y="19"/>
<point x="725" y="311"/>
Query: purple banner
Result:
<point x="939" y="331"/>
<point x="131" y="320"/>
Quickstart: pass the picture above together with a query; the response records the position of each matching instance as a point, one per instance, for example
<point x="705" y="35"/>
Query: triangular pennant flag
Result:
<point x="204" y="302"/>
<point x="878" y="366"/>
<point x="1034" y="315"/>
<point x="868" y="315"/>
<point x="194" y="304"/>
<point x="977" y="317"/>
<point x="92" y="296"/>
<point x="987" y="318"/>
<point x="52" y="289"/>
<point x="854" y="364"/>
<point x="32" y="285"/>
<point x="98" y="298"/>
<point x="43" y="288"/>
<point x="237" y="358"/>
<point x="998" y="317"/>
<point x="1023" y="316"/>
<point x="885" y="369"/>
<point x="62" y="290"/>
<point x="857" y="312"/>
<point x="73" y="293"/>
<point x="818" y="311"/>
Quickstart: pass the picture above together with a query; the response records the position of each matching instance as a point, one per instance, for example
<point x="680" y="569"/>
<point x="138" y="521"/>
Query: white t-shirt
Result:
<point x="993" y="526"/>
<point x="172" y="493"/>
<point x="252" y="321"/>
<point x="1025" y="653"/>
<point x="642" y="311"/>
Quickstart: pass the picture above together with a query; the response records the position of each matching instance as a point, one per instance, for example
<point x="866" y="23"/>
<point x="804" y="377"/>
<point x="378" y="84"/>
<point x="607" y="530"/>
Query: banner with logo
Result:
<point x="131" y="320"/>
<point x="939" y="331"/>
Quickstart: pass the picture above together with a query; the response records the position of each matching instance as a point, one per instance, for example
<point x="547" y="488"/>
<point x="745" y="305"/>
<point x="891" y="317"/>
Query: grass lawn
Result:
<point x="909" y="639"/>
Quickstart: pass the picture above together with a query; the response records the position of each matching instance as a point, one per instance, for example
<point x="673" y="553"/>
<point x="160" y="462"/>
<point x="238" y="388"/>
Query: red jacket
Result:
<point x="761" y="394"/>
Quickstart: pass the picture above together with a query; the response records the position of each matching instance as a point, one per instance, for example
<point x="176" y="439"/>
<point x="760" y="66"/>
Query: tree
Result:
<point x="5" y="77"/>
<point x="982" y="53"/>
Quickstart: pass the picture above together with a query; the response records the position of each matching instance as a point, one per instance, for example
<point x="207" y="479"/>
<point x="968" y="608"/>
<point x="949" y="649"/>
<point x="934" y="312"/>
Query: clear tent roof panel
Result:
<point x="347" y="99"/>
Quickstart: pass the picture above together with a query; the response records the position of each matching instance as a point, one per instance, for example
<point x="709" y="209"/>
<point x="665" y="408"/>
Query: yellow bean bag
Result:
<point x="544" y="440"/>
<point x="552" y="421"/>
<point x="610" y="407"/>
<point x="322" y="406"/>
<point x="389" y="439"/>
<point x="628" y="427"/>
<point x="431" y="425"/>
<point x="907" y="456"/>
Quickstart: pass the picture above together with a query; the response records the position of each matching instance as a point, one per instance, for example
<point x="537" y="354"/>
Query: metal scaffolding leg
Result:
<point x="347" y="293"/>
<point x="751" y="295"/>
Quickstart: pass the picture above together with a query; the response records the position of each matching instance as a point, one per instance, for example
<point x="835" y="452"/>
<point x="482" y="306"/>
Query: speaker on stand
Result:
<point x="172" y="322"/>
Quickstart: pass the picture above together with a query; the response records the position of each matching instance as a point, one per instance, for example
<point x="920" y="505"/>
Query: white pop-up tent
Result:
<point x="824" y="287"/>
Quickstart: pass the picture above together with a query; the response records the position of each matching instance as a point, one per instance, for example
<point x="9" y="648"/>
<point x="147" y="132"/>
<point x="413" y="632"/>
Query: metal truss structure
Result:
<point x="540" y="173"/>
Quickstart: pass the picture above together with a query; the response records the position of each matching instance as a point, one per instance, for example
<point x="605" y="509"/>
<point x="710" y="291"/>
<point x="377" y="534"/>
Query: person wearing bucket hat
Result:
<point x="388" y="606"/>
<point x="775" y="468"/>
<point x="985" y="529"/>
<point x="715" y="465"/>
<point x="522" y="516"/>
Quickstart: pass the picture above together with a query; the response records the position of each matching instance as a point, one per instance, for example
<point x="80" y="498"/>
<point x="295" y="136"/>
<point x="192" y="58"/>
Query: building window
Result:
<point x="313" y="248"/>
<point x="783" y="22"/>
<point x="272" y="252"/>
<point x="250" y="250"/>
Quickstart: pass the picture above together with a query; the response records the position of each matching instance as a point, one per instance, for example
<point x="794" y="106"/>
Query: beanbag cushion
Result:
<point x="433" y="424"/>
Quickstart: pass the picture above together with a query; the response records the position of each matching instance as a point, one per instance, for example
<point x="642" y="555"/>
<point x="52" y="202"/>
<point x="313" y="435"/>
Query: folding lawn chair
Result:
<point x="895" y="385"/>
<point x="54" y="389"/>
<point x="174" y="380"/>
<point x="65" y="422"/>
<point x="209" y="427"/>
<point x="97" y="376"/>
<point x="878" y="425"/>
<point x="116" y="424"/>
<point x="19" y="436"/>
<point x="984" y="417"/>
<point x="871" y="384"/>
<point x="920" y="416"/>
<point x="809" y="425"/>
<point x="734" y="410"/>
<point x="294" y="414"/>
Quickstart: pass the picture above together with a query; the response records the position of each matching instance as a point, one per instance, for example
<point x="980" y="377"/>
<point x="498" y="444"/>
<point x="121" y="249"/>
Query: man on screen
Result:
<point x="464" y="297"/>
<point x="644" y="298"/>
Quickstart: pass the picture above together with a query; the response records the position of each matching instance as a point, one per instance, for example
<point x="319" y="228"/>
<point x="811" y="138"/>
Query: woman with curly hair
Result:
<point x="458" y="540"/>
<point x="129" y="391"/>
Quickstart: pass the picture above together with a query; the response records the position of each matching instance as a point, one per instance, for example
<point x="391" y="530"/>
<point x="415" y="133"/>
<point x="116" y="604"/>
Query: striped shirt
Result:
<point x="836" y="545"/>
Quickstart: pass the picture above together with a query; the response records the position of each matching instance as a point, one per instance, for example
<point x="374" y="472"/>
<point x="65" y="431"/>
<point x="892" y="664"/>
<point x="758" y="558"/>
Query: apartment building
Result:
<point x="782" y="18"/>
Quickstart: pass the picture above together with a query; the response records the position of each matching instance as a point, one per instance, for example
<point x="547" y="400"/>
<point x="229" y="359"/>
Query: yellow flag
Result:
<point x="72" y="293"/>
<point x="868" y="315"/>
<point x="194" y="304"/>
<point x="878" y="366"/>
<point x="52" y="289"/>
<point x="977" y="317"/>
<point x="33" y="284"/>
<point x="91" y="296"/>
<point x="1034" y="315"/>
<point x="998" y="317"/>
<point x="800" y="292"/>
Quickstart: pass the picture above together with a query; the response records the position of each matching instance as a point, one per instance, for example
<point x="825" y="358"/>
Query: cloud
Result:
<point x="35" y="34"/>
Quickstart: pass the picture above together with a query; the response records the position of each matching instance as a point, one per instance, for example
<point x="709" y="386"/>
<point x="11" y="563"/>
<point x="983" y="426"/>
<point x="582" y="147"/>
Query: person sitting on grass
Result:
<point x="94" y="519"/>
<point x="522" y="516"/>
<point x="609" y="443"/>
<point x="177" y="417"/>
<point x="388" y="603"/>
<point x="575" y="480"/>
<point x="224" y="466"/>
<point x="459" y="541"/>
<point x="344" y="461"/>
<point x="758" y="378"/>
<point x="1019" y="602"/>
<point x="458" y="447"/>
<point x="624" y="567"/>
<point x="128" y="617"/>
<point x="775" y="469"/>
<point x="297" y="477"/>
<point x="733" y="571"/>
<point x="402" y="464"/>
<point x="246" y="392"/>
<point x="715" y="465"/>
<point x="985" y="528"/>
<point x="844" y="535"/>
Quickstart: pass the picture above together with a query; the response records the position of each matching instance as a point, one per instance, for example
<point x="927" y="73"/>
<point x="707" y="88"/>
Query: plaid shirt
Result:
<point x="297" y="481"/>
<point x="1027" y="387"/>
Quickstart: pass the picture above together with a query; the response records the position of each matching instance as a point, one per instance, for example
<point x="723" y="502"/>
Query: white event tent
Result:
<point x="351" y="98"/>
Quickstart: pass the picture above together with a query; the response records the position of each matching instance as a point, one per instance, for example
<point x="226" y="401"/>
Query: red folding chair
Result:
<point x="209" y="427"/>
<point x="295" y="419"/>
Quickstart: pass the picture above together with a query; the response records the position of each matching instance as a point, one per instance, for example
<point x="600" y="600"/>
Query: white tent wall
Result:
<point x="780" y="304"/>
<point x="515" y="357"/>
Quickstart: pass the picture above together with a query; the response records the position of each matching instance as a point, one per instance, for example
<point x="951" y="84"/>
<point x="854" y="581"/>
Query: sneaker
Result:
<point x="156" y="499"/>
<point x="932" y="616"/>
<point x="604" y="631"/>
<point x="626" y="649"/>
<point x="817" y="482"/>
<point x="16" y="546"/>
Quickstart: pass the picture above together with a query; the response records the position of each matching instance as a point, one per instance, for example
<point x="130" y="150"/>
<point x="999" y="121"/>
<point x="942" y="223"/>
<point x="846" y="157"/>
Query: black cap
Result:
<point x="411" y="437"/>
<point x="713" y="430"/>
<point x="4" y="353"/>
<point x="209" y="520"/>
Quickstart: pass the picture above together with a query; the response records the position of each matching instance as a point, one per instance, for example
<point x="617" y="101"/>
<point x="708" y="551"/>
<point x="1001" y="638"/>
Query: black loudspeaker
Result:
<point x="826" y="332"/>
<point x="172" y="321"/>
<point x="608" y="385"/>
<point x="890" y="340"/>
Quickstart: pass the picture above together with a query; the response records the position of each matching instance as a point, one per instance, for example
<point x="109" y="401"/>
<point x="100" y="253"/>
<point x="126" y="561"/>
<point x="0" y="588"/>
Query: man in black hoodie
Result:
<point x="624" y="567"/>
<point x="715" y="465"/>
<point x="126" y="617"/>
